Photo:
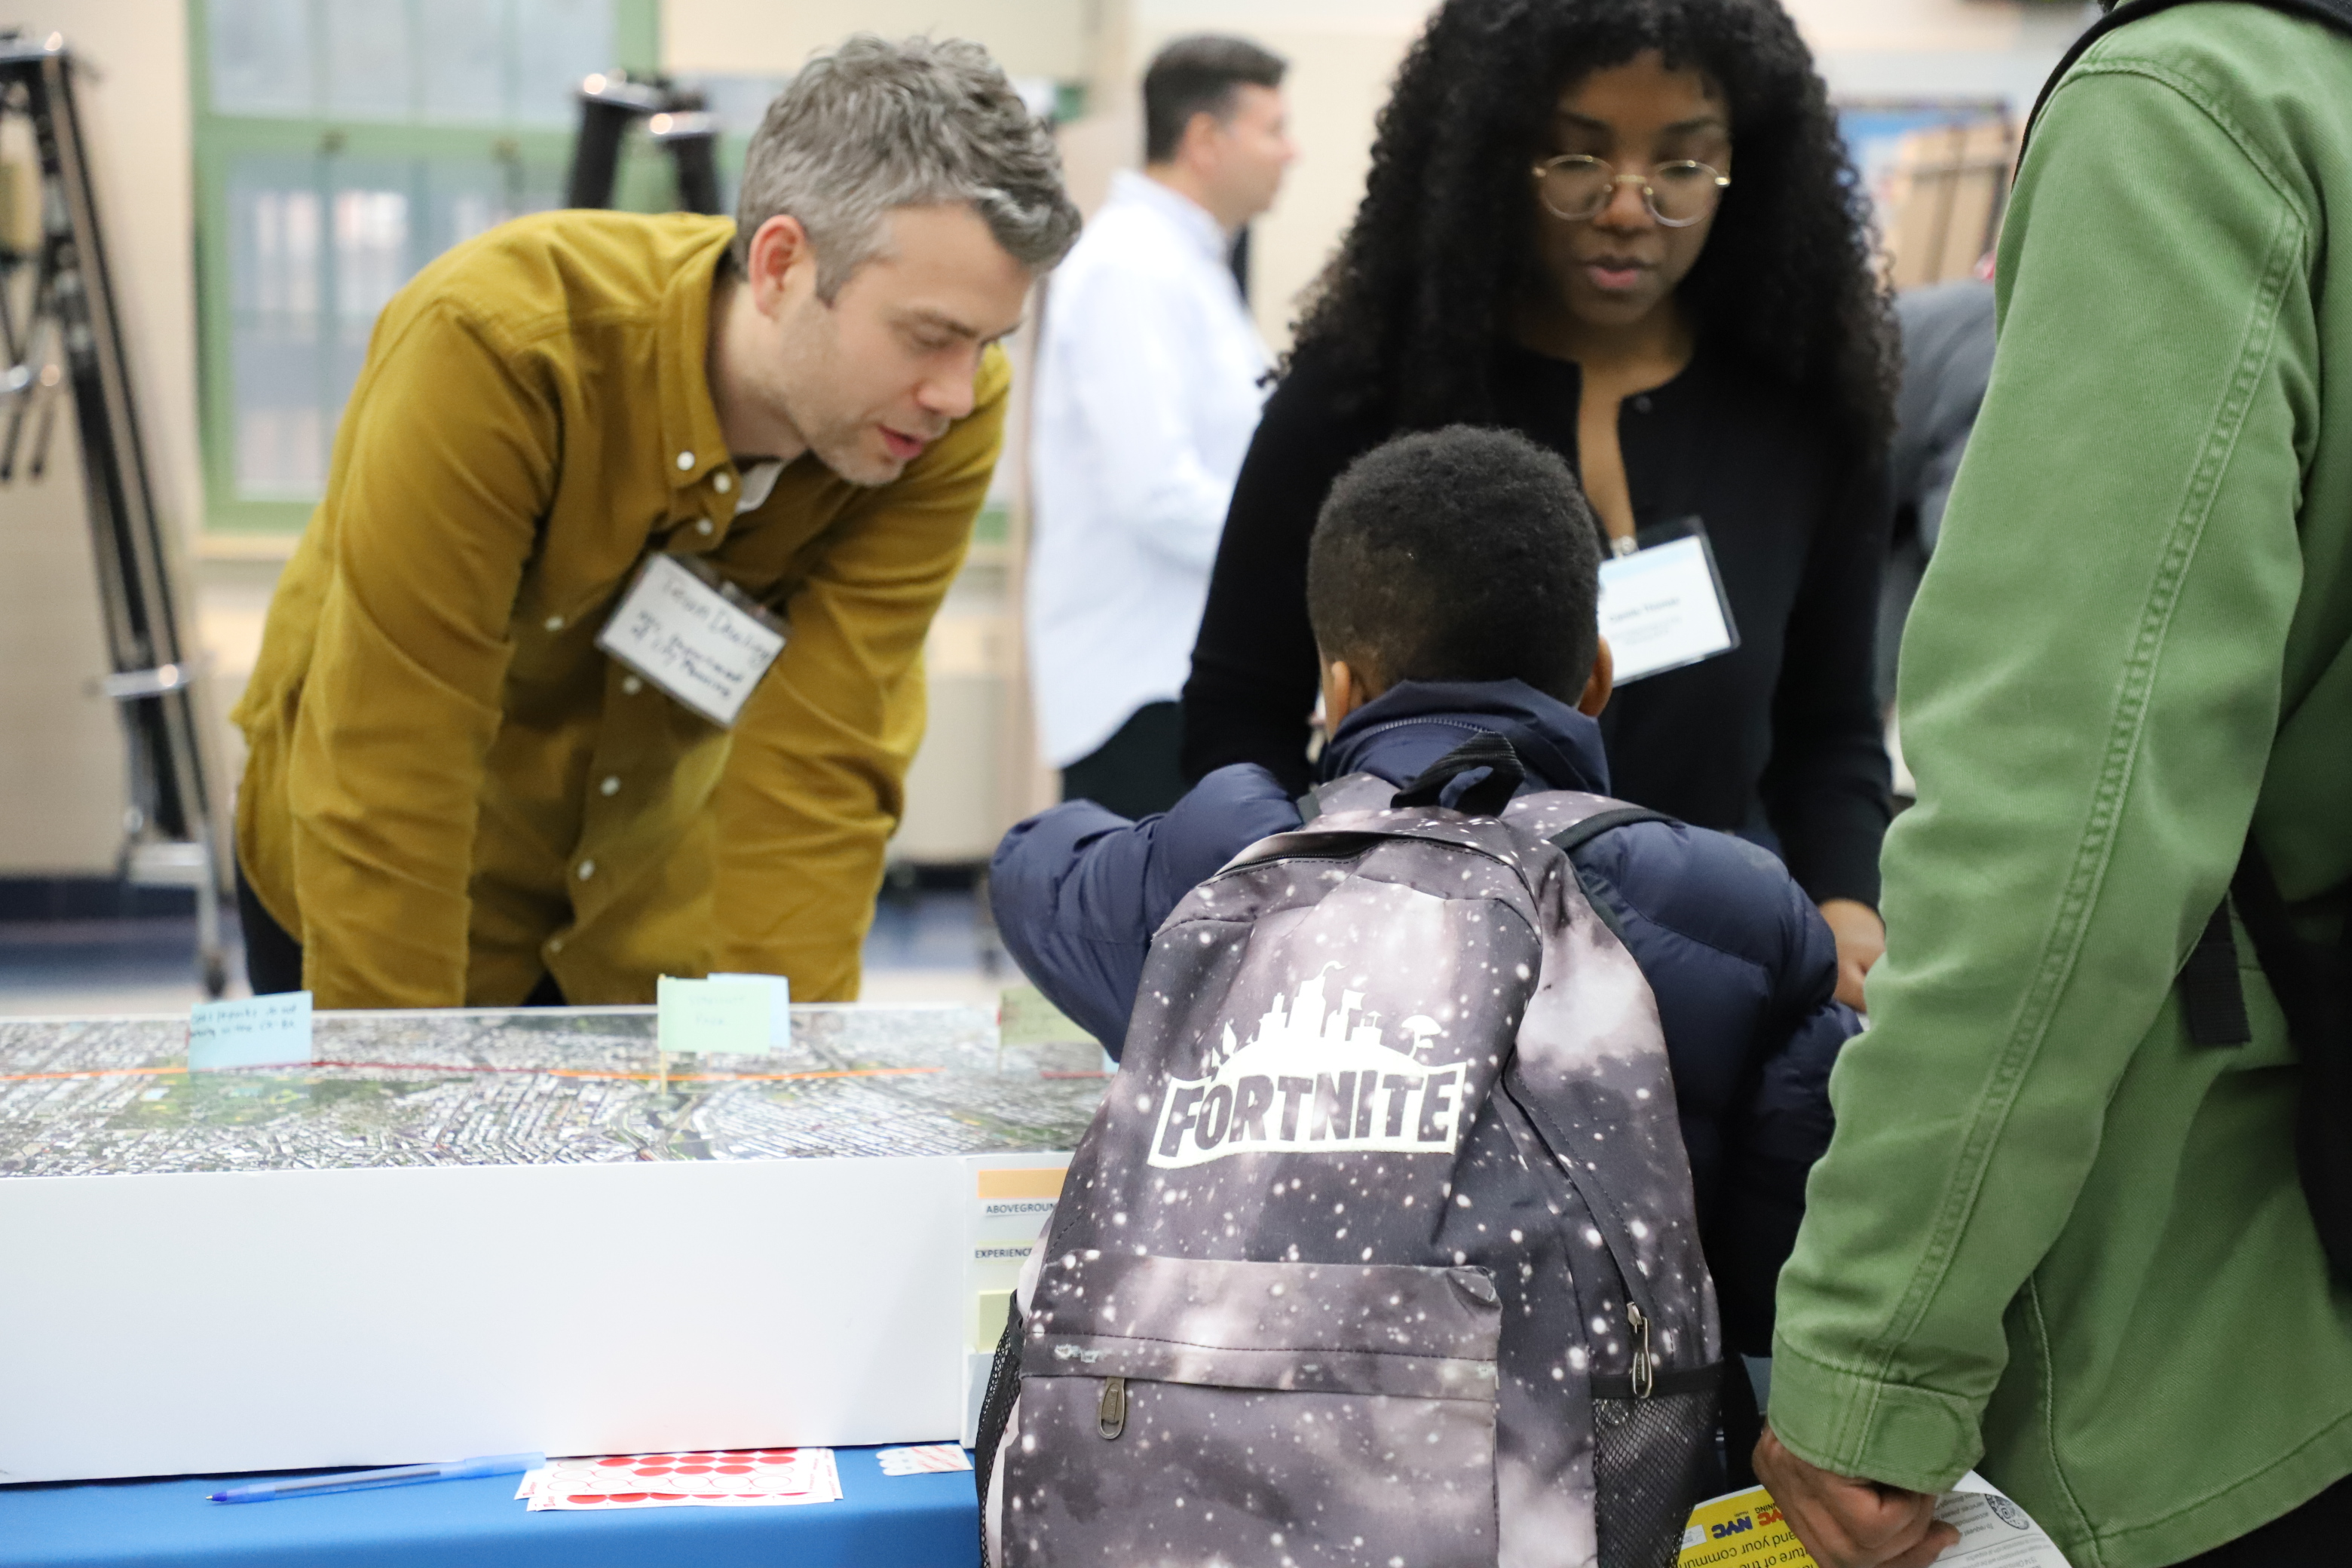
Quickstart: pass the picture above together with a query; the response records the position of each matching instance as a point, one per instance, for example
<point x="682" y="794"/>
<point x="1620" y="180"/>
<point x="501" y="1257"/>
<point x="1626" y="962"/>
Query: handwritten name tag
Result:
<point x="705" y="644"/>
<point x="1661" y="606"/>
<point x="252" y="1032"/>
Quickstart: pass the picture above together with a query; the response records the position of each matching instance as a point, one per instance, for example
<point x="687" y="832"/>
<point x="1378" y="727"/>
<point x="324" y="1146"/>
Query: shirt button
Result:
<point x="685" y="461"/>
<point x="722" y="482"/>
<point x="631" y="686"/>
<point x="611" y="786"/>
<point x="555" y="623"/>
<point x="587" y="869"/>
<point x="555" y="944"/>
<point x="1642" y="405"/>
<point x="703" y="525"/>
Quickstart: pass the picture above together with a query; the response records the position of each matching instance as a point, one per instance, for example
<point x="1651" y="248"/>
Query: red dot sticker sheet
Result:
<point x="732" y="1478"/>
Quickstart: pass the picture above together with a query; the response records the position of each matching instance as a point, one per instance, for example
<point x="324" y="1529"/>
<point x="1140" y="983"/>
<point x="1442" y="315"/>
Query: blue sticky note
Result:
<point x="697" y="1015"/>
<point x="779" y="1006"/>
<point x="254" y="1032"/>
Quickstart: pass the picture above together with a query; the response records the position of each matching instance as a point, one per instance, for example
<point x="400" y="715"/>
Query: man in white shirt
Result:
<point x="1149" y="382"/>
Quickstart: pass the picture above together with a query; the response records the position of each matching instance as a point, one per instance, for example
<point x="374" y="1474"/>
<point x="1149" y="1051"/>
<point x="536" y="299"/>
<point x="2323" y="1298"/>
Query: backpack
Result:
<point x="1382" y="1247"/>
<point x="2312" y="981"/>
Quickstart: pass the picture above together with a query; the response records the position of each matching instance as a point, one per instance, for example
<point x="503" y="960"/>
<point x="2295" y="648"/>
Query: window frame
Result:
<point x="219" y="141"/>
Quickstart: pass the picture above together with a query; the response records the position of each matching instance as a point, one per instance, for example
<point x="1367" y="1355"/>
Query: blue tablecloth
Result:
<point x="881" y="1521"/>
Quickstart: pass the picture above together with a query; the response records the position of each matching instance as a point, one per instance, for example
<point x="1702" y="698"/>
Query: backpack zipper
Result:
<point x="1110" y="1416"/>
<point x="1435" y="723"/>
<point x="1639" y="1314"/>
<point x="1646" y="1376"/>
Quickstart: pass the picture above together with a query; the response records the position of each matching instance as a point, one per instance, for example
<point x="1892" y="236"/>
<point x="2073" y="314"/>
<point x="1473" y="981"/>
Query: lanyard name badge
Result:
<point x="1661" y="602"/>
<point x="694" y="634"/>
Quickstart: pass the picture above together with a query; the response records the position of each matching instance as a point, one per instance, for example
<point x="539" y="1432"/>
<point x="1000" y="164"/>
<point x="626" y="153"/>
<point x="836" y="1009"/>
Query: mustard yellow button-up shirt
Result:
<point x="450" y="790"/>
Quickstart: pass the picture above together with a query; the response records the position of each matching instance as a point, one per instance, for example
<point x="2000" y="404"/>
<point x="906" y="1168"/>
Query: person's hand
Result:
<point x="1849" y="1524"/>
<point x="1861" y="941"/>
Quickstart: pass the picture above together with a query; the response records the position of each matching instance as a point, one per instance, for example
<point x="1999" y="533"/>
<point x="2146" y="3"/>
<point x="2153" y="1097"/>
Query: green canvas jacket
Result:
<point x="2052" y="1236"/>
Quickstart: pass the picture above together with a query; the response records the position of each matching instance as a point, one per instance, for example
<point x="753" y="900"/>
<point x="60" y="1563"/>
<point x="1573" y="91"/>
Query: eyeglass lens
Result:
<point x="1679" y="193"/>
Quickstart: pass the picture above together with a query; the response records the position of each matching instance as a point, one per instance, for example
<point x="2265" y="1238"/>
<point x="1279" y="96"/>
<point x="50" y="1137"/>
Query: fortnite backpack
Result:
<point x="1381" y="1250"/>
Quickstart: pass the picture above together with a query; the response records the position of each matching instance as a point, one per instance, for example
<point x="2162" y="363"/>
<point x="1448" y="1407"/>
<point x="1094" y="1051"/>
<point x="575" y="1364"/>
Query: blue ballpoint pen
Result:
<point x="398" y="1476"/>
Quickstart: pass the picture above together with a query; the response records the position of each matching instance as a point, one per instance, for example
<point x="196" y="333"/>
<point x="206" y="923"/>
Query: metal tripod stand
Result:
<point x="60" y="338"/>
<point x="676" y="120"/>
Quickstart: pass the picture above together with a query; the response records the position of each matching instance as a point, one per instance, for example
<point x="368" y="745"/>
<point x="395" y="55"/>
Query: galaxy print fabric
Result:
<point x="1389" y="1177"/>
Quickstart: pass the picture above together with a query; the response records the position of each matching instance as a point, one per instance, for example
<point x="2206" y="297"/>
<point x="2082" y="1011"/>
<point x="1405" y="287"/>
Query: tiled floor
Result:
<point x="926" y="946"/>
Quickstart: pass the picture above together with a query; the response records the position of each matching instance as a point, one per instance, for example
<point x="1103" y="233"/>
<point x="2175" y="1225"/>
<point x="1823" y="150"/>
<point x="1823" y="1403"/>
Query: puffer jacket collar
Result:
<point x="1405" y="729"/>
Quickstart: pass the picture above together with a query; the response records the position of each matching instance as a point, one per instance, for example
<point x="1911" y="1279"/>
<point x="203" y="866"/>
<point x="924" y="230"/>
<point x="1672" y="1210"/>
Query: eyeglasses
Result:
<point x="1575" y="186"/>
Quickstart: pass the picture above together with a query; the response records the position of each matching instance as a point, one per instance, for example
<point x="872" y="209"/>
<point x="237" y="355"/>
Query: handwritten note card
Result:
<point x="254" y="1032"/>
<point x="690" y="639"/>
<point x="780" y="1005"/>
<point x="697" y="1015"/>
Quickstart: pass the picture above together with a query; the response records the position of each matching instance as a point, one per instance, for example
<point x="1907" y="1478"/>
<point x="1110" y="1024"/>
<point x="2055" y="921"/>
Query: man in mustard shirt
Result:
<point x="454" y="796"/>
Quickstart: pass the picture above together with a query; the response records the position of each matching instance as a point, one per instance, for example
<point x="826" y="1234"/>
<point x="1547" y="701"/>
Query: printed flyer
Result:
<point x="1744" y="1530"/>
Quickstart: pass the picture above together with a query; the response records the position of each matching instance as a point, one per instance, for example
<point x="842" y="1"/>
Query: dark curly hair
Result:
<point x="1422" y="286"/>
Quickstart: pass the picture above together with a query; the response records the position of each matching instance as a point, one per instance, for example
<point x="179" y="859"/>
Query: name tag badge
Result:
<point x="1662" y="604"/>
<point x="694" y="634"/>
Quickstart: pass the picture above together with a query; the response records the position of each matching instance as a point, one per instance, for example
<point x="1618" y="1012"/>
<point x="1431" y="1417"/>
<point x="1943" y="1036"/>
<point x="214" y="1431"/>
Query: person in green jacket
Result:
<point x="2053" y="1238"/>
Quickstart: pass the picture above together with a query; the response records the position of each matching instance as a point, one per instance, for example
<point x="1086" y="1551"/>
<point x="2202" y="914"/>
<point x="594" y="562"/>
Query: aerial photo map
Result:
<point x="114" y="1096"/>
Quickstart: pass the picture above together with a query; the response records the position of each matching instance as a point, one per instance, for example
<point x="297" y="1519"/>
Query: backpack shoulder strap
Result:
<point x="1569" y="840"/>
<point x="2335" y="13"/>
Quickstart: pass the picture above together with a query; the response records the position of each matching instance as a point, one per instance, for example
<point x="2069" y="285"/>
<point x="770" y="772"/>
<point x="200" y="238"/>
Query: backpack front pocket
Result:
<point x="1189" y="1411"/>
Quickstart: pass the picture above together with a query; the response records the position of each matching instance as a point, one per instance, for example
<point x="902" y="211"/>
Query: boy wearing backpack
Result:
<point x="1452" y="584"/>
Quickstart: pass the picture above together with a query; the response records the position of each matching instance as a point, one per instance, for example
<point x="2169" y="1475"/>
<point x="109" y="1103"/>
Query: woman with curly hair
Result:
<point x="1628" y="230"/>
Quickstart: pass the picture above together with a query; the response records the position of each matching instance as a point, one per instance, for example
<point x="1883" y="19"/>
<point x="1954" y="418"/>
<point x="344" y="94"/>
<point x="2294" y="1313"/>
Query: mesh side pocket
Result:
<point x="996" y="1410"/>
<point x="1646" y="1469"/>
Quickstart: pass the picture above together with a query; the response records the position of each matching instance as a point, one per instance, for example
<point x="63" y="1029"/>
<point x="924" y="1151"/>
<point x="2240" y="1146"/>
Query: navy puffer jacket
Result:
<point x="1742" y="964"/>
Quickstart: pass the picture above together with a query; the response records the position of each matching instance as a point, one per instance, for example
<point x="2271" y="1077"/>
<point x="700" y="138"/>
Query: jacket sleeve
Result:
<point x="1252" y="688"/>
<point x="1077" y="891"/>
<point x="2090" y="689"/>
<point x="1826" y="788"/>
<point x="1781" y="1127"/>
<point x="1745" y="973"/>
<point x="814" y="783"/>
<point x="444" y="464"/>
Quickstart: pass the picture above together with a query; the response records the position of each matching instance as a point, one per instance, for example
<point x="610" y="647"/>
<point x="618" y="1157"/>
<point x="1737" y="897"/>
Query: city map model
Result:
<point x="113" y="1096"/>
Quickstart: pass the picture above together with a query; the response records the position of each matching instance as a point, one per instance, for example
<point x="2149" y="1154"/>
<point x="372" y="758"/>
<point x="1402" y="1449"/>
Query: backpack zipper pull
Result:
<point x="1110" y="1419"/>
<point x="1644" y="1366"/>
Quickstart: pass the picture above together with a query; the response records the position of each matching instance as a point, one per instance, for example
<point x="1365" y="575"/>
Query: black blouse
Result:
<point x="1777" y="740"/>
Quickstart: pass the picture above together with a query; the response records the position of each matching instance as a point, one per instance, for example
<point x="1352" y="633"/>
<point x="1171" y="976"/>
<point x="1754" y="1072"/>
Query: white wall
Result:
<point x="135" y="109"/>
<point x="1028" y="37"/>
<point x="1935" y="48"/>
<point x="61" y="789"/>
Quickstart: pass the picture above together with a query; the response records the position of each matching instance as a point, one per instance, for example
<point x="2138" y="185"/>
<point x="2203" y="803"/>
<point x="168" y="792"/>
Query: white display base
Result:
<point x="283" y="1319"/>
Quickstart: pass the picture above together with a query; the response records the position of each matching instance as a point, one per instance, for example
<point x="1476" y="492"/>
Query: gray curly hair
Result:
<point x="920" y="122"/>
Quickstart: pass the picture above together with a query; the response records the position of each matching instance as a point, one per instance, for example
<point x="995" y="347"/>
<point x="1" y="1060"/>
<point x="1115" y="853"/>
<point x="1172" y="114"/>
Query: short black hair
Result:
<point x="1198" y="75"/>
<point x="1458" y="554"/>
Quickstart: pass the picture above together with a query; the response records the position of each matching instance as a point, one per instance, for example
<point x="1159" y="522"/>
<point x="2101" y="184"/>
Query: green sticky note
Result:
<point x="990" y="1309"/>
<point x="693" y="1016"/>
<point x="1024" y="1017"/>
